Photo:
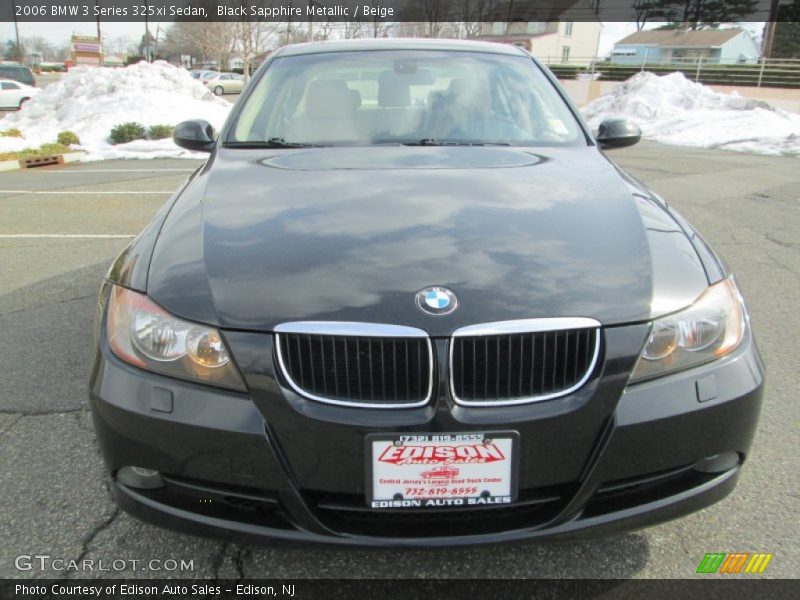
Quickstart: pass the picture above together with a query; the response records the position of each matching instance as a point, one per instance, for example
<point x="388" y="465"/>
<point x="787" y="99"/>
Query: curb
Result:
<point x="40" y="161"/>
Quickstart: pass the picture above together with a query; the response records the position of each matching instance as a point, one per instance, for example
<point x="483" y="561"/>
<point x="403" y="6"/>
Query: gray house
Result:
<point x="715" y="46"/>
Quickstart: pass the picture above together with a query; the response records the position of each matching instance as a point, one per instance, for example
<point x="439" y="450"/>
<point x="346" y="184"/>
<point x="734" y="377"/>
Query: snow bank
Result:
<point x="673" y="110"/>
<point x="91" y="101"/>
<point x="13" y="144"/>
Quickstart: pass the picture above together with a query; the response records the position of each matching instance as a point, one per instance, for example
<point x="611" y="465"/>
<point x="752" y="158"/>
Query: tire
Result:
<point x="21" y="102"/>
<point x="219" y="90"/>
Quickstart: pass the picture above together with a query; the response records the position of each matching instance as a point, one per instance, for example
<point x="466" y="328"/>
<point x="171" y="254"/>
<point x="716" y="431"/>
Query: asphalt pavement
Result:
<point x="61" y="227"/>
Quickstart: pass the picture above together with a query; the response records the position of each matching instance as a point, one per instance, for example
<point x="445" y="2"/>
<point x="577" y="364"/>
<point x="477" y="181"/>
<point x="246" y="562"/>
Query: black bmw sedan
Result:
<point x="409" y="300"/>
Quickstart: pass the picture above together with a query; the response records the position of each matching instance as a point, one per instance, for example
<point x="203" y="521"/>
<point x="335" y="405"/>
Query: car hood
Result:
<point x="351" y="234"/>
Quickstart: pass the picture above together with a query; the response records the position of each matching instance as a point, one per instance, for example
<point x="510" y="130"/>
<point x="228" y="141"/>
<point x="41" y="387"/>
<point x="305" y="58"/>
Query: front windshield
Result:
<point x="411" y="96"/>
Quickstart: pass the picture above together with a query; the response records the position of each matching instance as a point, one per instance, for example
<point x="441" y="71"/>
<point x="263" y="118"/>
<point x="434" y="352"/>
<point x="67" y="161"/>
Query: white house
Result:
<point x="552" y="42"/>
<point x="664" y="46"/>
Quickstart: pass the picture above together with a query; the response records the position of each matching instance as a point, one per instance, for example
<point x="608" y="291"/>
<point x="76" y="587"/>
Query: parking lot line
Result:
<point x="103" y="236"/>
<point x="81" y="171"/>
<point x="74" y="192"/>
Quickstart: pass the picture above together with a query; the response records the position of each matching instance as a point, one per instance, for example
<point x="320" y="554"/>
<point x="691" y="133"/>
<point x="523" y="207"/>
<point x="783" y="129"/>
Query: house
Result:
<point x="258" y="59"/>
<point x="573" y="42"/>
<point x="664" y="46"/>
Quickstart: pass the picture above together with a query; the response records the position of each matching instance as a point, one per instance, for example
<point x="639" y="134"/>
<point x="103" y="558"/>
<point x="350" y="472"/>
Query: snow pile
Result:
<point x="673" y="110"/>
<point x="91" y="101"/>
<point x="13" y="144"/>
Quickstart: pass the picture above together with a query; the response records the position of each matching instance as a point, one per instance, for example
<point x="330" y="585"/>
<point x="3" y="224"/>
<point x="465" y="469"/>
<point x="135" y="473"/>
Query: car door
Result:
<point x="10" y="94"/>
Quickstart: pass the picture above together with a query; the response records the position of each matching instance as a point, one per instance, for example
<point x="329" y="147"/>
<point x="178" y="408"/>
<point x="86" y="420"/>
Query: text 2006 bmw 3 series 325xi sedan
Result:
<point x="409" y="300"/>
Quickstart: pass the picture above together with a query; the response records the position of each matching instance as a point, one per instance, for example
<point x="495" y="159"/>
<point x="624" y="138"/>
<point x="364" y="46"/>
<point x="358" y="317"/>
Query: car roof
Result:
<point x="399" y="44"/>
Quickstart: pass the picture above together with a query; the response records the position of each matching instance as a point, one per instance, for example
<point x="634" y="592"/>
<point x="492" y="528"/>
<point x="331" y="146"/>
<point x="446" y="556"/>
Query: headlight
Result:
<point x="710" y="328"/>
<point x="145" y="335"/>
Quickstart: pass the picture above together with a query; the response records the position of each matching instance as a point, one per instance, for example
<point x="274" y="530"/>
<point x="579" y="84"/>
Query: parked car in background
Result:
<point x="14" y="94"/>
<point x="16" y="72"/>
<point x="226" y="83"/>
<point x="204" y="76"/>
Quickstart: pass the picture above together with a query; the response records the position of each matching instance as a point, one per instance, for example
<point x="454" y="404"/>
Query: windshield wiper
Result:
<point x="435" y="142"/>
<point x="275" y="142"/>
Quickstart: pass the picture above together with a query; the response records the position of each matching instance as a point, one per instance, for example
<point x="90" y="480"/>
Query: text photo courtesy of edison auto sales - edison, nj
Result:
<point x="387" y="298"/>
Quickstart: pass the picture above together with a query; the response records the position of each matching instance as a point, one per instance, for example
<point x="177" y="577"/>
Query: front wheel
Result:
<point x="22" y="101"/>
<point x="218" y="91"/>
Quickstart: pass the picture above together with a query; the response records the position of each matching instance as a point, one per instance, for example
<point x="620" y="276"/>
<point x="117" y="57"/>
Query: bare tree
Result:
<point x="38" y="45"/>
<point x="450" y="30"/>
<point x="700" y="14"/>
<point x="434" y="12"/>
<point x="206" y="40"/>
<point x="254" y="36"/>
<point x="323" y="29"/>
<point x="475" y="13"/>
<point x="643" y="9"/>
<point x="377" y="27"/>
<point x="119" y="44"/>
<point x="351" y="30"/>
<point x="63" y="52"/>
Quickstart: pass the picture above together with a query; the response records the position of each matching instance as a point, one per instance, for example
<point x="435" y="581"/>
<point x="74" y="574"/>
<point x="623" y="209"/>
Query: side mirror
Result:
<point x="197" y="135"/>
<point x="618" y="133"/>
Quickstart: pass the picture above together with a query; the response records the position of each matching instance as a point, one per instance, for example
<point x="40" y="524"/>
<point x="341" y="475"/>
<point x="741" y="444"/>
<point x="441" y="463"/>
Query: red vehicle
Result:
<point x="440" y="473"/>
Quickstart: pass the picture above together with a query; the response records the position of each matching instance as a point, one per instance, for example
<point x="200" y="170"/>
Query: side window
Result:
<point x="10" y="86"/>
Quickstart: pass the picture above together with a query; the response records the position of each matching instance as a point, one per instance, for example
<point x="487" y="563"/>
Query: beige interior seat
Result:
<point x="396" y="115"/>
<point x="329" y="114"/>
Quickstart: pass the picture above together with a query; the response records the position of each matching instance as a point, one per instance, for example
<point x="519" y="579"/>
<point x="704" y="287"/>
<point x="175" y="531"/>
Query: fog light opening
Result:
<point x="140" y="477"/>
<point x="719" y="463"/>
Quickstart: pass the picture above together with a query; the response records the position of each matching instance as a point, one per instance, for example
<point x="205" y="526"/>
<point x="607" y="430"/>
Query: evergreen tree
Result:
<point x="700" y="14"/>
<point x="786" y="43"/>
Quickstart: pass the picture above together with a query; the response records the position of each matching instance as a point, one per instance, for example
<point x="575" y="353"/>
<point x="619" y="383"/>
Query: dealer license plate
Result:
<point x="412" y="470"/>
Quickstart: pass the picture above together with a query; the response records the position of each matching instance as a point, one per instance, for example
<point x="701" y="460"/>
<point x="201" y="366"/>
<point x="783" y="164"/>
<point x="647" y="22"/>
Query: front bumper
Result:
<point x="231" y="472"/>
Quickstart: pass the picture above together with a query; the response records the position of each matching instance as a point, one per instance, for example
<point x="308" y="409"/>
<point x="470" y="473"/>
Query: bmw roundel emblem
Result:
<point x="437" y="300"/>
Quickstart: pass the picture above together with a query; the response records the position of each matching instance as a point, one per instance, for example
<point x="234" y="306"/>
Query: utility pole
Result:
<point x="769" y="31"/>
<point x="146" y="35"/>
<point x="97" y="5"/>
<point x="16" y="31"/>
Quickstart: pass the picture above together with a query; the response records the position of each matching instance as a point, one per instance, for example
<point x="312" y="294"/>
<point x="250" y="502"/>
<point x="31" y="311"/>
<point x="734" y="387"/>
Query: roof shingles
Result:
<point x="670" y="38"/>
